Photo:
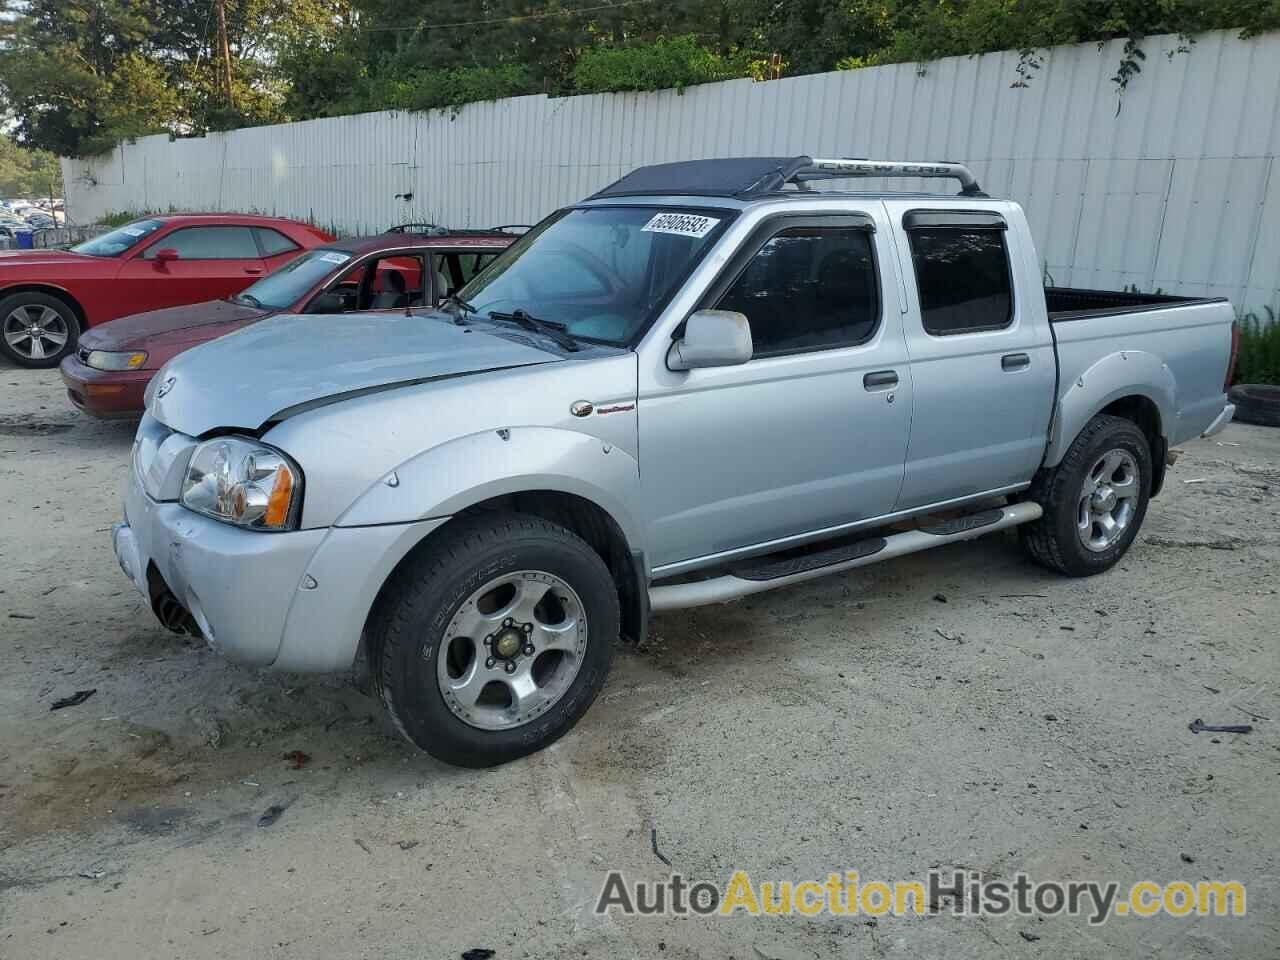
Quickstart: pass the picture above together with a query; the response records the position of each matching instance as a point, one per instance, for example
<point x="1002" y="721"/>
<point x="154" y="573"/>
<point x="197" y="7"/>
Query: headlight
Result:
<point x="107" y="360"/>
<point x="243" y="482"/>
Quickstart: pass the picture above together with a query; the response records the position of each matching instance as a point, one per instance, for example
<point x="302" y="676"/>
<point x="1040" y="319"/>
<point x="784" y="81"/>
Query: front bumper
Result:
<point x="104" y="393"/>
<point x="292" y="601"/>
<point x="1220" y="422"/>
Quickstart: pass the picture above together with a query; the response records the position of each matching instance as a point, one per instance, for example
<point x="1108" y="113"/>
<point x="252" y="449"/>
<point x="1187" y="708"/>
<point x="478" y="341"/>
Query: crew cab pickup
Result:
<point x="709" y="379"/>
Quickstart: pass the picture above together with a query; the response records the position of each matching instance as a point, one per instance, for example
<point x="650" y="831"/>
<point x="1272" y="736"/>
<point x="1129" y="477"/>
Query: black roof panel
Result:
<point x="731" y="177"/>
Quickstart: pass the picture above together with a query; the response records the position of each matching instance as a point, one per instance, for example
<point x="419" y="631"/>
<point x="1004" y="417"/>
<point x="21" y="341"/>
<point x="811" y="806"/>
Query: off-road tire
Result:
<point x="416" y="606"/>
<point x="1053" y="541"/>
<point x="33" y="299"/>
<point x="1256" y="403"/>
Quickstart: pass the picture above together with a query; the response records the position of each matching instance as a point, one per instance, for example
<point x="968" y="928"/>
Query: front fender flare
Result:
<point x="1125" y="373"/>
<point x="449" y="478"/>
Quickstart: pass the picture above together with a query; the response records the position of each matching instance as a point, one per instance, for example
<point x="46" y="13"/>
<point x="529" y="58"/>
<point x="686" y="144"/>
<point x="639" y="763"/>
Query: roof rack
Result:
<point x="749" y="177"/>
<point x="842" y="168"/>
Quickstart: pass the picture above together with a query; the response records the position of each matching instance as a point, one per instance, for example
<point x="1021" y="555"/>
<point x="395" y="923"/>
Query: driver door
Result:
<point x="213" y="262"/>
<point x="809" y="435"/>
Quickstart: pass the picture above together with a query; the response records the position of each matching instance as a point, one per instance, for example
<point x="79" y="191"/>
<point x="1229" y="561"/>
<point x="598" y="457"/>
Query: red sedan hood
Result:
<point x="31" y="258"/>
<point x="185" y="324"/>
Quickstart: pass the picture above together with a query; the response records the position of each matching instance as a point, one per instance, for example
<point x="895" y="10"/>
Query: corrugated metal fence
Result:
<point x="1174" y="190"/>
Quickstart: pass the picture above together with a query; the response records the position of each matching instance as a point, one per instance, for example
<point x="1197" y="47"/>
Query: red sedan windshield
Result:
<point x="118" y="240"/>
<point x="282" y="289"/>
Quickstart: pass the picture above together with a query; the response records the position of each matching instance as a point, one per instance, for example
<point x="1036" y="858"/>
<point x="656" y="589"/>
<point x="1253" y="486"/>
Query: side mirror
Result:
<point x="712" y="338"/>
<point x="166" y="254"/>
<point x="327" y="303"/>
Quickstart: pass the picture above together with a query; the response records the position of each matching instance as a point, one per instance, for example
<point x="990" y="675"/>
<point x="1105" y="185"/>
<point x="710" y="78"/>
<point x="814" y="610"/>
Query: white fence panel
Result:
<point x="1175" y="190"/>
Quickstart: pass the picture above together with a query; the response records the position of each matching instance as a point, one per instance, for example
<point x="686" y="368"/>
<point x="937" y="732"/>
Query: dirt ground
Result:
<point x="1026" y="722"/>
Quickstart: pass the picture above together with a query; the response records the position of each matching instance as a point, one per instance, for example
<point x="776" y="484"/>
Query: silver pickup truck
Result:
<point x="709" y="379"/>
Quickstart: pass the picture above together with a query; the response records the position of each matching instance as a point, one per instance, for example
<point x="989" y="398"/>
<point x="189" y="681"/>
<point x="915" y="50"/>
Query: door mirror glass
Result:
<point x="166" y="254"/>
<point x="712" y="338"/>
<point x="327" y="303"/>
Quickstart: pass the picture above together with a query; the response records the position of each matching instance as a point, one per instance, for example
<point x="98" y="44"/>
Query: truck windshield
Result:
<point x="119" y="240"/>
<point x="602" y="272"/>
<point x="282" y="289"/>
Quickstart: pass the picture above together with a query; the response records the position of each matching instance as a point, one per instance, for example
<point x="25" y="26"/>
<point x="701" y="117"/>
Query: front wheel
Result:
<point x="1094" y="500"/>
<point x="37" y="329"/>
<point x="494" y="640"/>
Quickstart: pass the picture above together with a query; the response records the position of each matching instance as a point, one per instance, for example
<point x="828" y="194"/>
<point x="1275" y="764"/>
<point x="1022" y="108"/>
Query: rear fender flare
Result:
<point x="1125" y="373"/>
<point x="447" y="479"/>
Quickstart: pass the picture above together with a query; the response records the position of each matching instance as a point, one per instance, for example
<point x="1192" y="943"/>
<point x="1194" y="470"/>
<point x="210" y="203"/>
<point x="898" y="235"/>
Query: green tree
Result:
<point x="28" y="173"/>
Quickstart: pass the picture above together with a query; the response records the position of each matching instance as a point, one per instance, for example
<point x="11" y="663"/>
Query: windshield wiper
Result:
<point x="248" y="298"/>
<point x="550" y="328"/>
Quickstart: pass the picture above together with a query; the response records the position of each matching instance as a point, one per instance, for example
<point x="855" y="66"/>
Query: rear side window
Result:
<point x="208" y="243"/>
<point x="962" y="273"/>
<point x="273" y="242"/>
<point x="808" y="288"/>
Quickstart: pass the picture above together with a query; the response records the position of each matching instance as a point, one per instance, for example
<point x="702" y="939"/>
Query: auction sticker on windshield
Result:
<point x="681" y="224"/>
<point x="335" y="257"/>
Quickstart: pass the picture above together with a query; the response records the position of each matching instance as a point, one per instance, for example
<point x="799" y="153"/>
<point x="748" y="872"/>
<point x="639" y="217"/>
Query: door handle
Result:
<point x="880" y="379"/>
<point x="253" y="270"/>
<point x="1015" y="361"/>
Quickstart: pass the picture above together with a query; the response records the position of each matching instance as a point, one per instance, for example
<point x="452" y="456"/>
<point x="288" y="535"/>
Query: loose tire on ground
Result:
<point x="422" y="655"/>
<point x="1108" y="465"/>
<point x="1256" y="403"/>
<point x="37" y="329"/>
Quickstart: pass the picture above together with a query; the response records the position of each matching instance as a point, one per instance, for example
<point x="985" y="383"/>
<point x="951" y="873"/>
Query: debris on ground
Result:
<point x="1197" y="725"/>
<point x="479" y="953"/>
<point x="271" y="814"/>
<point x="92" y="874"/>
<point x="1186" y="858"/>
<point x="297" y="759"/>
<point x="77" y="698"/>
<point x="21" y="616"/>
<point x="940" y="597"/>
<point x="363" y="846"/>
<point x="653" y="843"/>
<point x="408" y="844"/>
<point x="1029" y="937"/>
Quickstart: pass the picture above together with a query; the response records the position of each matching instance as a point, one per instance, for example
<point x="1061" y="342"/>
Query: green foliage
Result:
<point x="79" y="75"/>
<point x="28" y="173"/>
<point x="1259" y="358"/>
<point x="662" y="64"/>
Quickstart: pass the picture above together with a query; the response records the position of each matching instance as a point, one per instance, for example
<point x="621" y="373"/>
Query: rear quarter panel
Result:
<point x="1175" y="356"/>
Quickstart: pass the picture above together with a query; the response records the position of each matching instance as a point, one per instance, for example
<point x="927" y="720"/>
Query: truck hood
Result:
<point x="286" y="363"/>
<point x="31" y="258"/>
<point x="174" y="325"/>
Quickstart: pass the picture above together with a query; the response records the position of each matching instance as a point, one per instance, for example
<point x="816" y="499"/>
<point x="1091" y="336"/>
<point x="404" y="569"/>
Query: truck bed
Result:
<point x="1071" y="303"/>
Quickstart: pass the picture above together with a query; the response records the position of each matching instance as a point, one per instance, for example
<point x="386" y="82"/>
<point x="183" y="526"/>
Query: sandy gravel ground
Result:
<point x="1028" y="723"/>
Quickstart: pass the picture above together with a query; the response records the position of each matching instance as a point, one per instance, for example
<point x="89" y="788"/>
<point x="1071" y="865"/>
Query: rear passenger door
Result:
<point x="811" y="433"/>
<point x="982" y="357"/>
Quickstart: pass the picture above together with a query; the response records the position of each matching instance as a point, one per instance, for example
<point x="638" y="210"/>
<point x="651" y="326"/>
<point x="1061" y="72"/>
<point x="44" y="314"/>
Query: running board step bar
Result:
<point x="769" y="575"/>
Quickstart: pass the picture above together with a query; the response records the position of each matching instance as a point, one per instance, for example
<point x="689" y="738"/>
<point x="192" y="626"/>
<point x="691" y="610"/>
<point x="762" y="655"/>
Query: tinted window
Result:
<point x="274" y="242"/>
<point x="119" y="240"/>
<point x="808" y="288"/>
<point x="208" y="243"/>
<point x="963" y="276"/>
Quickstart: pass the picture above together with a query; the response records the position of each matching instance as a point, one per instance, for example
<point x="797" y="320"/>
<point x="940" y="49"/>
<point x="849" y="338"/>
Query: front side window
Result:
<point x="963" y="277"/>
<point x="208" y="243"/>
<point x="282" y="288"/>
<point x="808" y="288"/>
<point x="602" y="272"/>
<point x="117" y="241"/>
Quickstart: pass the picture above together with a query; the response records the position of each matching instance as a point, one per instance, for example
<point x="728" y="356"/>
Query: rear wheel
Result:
<point x="37" y="329"/>
<point x="495" y="640"/>
<point x="1094" y="501"/>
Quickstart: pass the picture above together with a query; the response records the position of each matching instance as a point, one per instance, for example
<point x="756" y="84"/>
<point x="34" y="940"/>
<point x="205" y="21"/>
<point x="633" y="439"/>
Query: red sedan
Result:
<point x="108" y="374"/>
<point x="47" y="298"/>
